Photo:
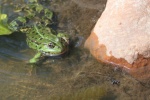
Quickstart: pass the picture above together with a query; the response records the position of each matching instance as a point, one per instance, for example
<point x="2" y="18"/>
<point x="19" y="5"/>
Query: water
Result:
<point x="78" y="76"/>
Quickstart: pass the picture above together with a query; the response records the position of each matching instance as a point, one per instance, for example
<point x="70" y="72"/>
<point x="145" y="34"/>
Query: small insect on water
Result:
<point x="114" y="81"/>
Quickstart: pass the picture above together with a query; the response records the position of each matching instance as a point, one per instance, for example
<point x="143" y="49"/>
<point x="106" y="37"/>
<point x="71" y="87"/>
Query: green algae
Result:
<point x="90" y="93"/>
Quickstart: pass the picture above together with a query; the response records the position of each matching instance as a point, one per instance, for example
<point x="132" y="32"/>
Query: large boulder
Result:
<point x="121" y="36"/>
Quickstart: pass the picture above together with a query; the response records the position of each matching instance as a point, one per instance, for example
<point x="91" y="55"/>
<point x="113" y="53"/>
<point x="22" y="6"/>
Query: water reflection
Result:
<point x="12" y="48"/>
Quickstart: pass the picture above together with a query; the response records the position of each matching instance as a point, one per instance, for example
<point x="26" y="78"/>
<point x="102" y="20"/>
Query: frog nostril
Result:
<point x="62" y="40"/>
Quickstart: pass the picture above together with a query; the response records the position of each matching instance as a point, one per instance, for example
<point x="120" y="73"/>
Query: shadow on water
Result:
<point x="77" y="76"/>
<point x="14" y="48"/>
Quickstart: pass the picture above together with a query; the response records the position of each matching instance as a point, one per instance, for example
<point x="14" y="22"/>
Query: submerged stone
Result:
<point x="121" y="36"/>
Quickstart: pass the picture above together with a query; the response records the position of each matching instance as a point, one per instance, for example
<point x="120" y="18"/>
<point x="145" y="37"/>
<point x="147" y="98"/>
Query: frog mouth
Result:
<point x="55" y="54"/>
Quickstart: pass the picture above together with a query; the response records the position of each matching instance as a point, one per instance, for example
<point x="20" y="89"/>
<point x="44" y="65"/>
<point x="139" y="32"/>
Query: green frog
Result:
<point x="40" y="37"/>
<point x="46" y="42"/>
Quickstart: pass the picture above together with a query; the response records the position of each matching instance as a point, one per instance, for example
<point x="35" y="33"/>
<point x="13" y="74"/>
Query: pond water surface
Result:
<point x="77" y="76"/>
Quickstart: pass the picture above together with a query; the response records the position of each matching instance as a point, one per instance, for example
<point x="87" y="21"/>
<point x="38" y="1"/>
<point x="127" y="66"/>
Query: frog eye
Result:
<point x="51" y="45"/>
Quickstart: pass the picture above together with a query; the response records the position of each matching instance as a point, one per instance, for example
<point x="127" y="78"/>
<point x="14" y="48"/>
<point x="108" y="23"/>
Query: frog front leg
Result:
<point x="35" y="58"/>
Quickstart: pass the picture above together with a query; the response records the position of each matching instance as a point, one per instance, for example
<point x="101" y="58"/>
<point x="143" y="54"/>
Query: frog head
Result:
<point x="54" y="46"/>
<point x="44" y="40"/>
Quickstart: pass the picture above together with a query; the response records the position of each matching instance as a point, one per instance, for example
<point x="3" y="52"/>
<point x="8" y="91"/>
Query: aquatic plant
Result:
<point x="27" y="13"/>
<point x="4" y="30"/>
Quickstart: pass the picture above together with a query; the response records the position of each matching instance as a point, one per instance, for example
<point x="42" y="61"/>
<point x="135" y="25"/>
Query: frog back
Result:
<point x="36" y="39"/>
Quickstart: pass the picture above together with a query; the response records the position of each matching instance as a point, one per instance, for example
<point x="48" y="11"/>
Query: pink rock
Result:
<point x="122" y="35"/>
